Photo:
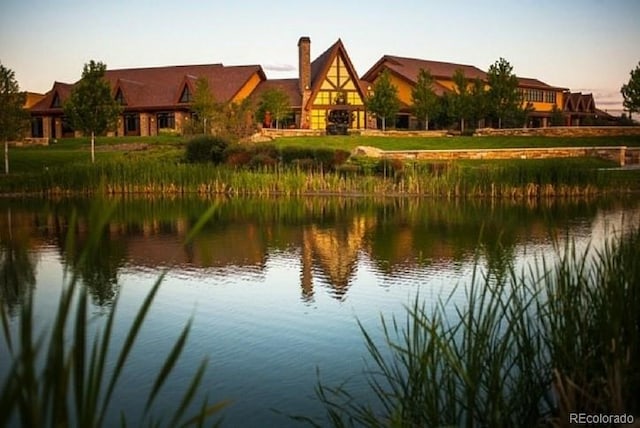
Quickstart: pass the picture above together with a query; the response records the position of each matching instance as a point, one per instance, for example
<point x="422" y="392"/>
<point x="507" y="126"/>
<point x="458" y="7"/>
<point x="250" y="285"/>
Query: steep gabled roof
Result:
<point x="574" y="102"/>
<point x="588" y="103"/>
<point x="409" y="68"/>
<point x="59" y="89"/>
<point x="288" y="86"/>
<point x="320" y="67"/>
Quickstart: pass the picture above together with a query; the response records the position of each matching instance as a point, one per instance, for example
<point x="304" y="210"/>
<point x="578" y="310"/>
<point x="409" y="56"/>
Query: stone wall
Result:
<point x="620" y="154"/>
<point x="395" y="133"/>
<point x="562" y="131"/>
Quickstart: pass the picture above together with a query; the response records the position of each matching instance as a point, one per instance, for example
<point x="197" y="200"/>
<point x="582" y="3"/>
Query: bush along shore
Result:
<point x="210" y="165"/>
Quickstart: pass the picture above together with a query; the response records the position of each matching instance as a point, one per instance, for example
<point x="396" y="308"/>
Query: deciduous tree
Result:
<point x="460" y="98"/>
<point x="14" y="119"/>
<point x="384" y="101"/>
<point x="505" y="102"/>
<point x="205" y="105"/>
<point x="424" y="99"/>
<point x="90" y="107"/>
<point x="274" y="103"/>
<point x="631" y="92"/>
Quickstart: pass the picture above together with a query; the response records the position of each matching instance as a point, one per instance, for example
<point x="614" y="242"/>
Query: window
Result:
<point x="550" y="97"/>
<point x="67" y="129"/>
<point x="120" y="98"/>
<point x="132" y="124"/>
<point x="56" y="101"/>
<point x="166" y="120"/>
<point x="186" y="95"/>
<point x="37" y="128"/>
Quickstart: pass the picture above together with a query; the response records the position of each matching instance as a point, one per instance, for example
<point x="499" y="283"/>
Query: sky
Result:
<point x="584" y="45"/>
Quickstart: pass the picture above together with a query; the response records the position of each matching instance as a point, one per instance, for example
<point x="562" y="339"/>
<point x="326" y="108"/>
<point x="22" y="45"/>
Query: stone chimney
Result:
<point x="304" y="63"/>
<point x="304" y="81"/>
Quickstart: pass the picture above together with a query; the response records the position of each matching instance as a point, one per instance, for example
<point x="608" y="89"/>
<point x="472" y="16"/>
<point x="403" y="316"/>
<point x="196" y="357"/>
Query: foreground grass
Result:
<point x="526" y="349"/>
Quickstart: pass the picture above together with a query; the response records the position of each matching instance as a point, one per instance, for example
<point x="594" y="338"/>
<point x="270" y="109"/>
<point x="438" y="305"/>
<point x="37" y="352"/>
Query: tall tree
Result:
<point x="631" y="92"/>
<point x="460" y="99"/>
<point x="478" y="103"/>
<point x="14" y="119"/>
<point x="424" y="99"/>
<point x="204" y="104"/>
<point x="90" y="107"/>
<point x="505" y="102"/>
<point x="384" y="101"/>
<point x="274" y="105"/>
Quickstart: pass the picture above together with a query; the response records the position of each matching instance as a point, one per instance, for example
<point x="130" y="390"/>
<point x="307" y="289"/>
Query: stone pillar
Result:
<point x="145" y="124"/>
<point x="304" y="74"/>
<point x="46" y="127"/>
<point x="120" y="126"/>
<point x="58" y="126"/>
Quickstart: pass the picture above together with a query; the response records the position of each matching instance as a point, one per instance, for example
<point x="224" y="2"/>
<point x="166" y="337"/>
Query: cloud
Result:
<point x="279" y="67"/>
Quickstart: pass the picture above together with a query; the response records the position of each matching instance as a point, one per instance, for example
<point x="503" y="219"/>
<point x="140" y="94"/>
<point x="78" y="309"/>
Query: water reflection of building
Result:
<point x="332" y="254"/>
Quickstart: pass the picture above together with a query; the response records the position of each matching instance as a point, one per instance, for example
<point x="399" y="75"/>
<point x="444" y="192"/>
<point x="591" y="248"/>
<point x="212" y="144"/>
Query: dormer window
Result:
<point x="56" y="101"/>
<point x="186" y="95"/>
<point x="120" y="98"/>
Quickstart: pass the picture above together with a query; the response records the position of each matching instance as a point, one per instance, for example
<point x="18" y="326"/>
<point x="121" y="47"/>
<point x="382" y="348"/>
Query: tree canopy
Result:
<point x="424" y="99"/>
<point x="90" y="107"/>
<point x="384" y="101"/>
<point x="631" y="91"/>
<point x="205" y="105"/>
<point x="460" y="98"/>
<point x="504" y="100"/>
<point x="14" y="119"/>
<point x="274" y="105"/>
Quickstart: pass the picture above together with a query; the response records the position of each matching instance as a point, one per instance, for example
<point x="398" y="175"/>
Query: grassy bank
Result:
<point x="156" y="165"/>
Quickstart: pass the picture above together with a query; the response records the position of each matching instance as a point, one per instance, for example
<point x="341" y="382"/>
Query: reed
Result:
<point x="61" y="376"/>
<point x="524" y="349"/>
<point x="505" y="179"/>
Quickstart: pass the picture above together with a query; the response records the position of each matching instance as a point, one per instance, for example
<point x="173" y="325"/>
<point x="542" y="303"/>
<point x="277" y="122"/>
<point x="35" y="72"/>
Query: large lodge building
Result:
<point x="160" y="97"/>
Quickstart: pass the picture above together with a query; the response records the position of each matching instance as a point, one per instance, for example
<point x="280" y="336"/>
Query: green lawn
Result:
<point x="170" y="148"/>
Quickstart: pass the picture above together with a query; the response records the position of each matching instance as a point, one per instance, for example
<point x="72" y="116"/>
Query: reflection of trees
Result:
<point x="17" y="266"/>
<point x="98" y="267"/>
<point x="93" y="256"/>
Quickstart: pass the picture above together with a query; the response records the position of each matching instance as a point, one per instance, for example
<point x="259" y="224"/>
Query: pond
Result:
<point x="275" y="287"/>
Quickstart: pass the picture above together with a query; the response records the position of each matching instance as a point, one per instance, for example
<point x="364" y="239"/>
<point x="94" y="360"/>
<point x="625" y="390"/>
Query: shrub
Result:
<point x="262" y="160"/>
<point x="206" y="149"/>
<point x="389" y="167"/>
<point x="237" y="155"/>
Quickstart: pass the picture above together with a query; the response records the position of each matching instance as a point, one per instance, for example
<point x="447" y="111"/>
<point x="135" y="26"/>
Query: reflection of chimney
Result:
<point x="304" y="80"/>
<point x="304" y="63"/>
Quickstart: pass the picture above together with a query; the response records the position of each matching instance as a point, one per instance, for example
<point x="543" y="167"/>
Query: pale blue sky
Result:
<point x="588" y="45"/>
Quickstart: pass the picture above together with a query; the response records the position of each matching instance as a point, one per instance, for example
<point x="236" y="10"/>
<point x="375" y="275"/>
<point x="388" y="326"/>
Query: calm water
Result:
<point x="275" y="287"/>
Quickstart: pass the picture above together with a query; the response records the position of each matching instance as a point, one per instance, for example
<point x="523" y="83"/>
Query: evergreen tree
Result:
<point x="631" y="92"/>
<point x="384" y="101"/>
<point x="90" y="106"/>
<point x="424" y="99"/>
